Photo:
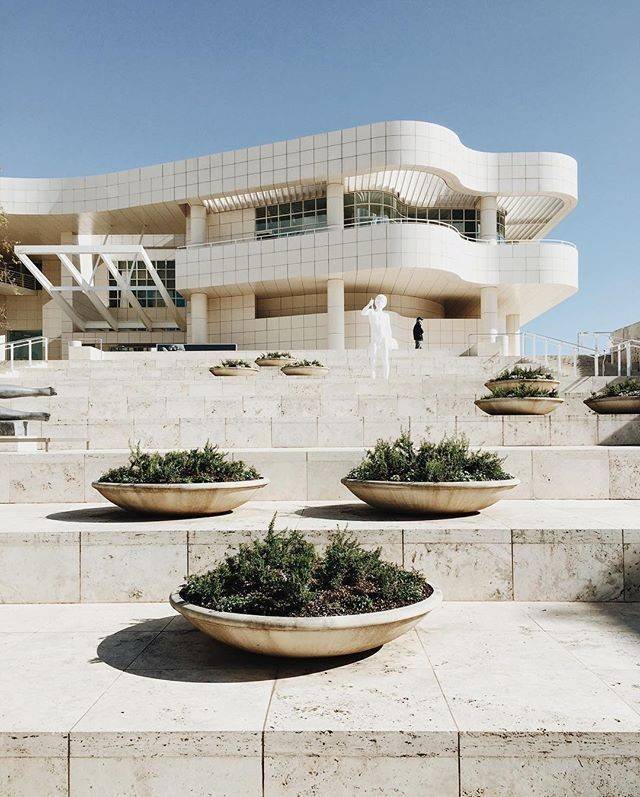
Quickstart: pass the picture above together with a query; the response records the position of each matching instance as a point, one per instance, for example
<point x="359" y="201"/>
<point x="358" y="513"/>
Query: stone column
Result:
<point x="488" y="319"/>
<point x="198" y="306"/>
<point x="197" y="226"/>
<point x="335" y="204"/>
<point x="335" y="313"/>
<point x="489" y="218"/>
<point x="513" y="328"/>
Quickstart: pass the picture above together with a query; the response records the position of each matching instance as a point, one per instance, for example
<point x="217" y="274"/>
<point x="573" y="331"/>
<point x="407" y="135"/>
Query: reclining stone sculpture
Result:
<point x="7" y="416"/>
<point x="16" y="391"/>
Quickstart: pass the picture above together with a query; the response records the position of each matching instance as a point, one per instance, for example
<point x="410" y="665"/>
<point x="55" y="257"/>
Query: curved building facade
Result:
<point x="280" y="245"/>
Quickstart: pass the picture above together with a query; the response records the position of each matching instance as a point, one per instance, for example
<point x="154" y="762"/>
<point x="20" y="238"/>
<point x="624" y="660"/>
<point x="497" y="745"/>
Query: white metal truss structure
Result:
<point x="108" y="255"/>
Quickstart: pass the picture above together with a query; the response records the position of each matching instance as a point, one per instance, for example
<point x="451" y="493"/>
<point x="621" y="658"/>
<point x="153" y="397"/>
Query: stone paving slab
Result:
<point x="522" y="550"/>
<point x="507" y="699"/>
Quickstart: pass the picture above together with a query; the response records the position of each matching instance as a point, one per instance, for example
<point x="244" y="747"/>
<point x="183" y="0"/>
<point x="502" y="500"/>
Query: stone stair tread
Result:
<point x="544" y="700"/>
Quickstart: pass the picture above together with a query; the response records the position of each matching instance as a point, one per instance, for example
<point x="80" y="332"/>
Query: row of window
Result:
<point x="142" y="287"/>
<point x="362" y="207"/>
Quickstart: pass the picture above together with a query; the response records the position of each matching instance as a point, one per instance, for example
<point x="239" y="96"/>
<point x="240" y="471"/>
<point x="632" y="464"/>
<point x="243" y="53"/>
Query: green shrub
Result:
<point x="627" y="387"/>
<point x="305" y="363"/>
<point x="207" y="464"/>
<point x="235" y="364"/>
<point x="520" y="391"/>
<point x="524" y="373"/>
<point x="284" y="576"/>
<point x="450" y="460"/>
<point x="275" y="355"/>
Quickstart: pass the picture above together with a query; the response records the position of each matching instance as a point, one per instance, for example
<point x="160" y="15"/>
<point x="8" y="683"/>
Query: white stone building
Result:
<point x="280" y="245"/>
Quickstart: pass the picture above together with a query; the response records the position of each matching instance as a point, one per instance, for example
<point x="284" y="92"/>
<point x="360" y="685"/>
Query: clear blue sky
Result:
<point x="90" y="86"/>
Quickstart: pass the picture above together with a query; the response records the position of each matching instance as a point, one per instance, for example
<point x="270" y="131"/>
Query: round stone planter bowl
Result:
<point x="306" y="637"/>
<point x="221" y="370"/>
<point x="515" y="405"/>
<point x="430" y="498"/>
<point x="543" y="385"/>
<point x="186" y="500"/>
<point x="274" y="362"/>
<point x="304" y="370"/>
<point x="614" y="405"/>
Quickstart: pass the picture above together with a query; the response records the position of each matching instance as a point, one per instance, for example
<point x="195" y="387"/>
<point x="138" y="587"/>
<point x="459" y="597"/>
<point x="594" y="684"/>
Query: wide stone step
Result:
<point x="255" y="430"/>
<point x="314" y="473"/>
<point x="507" y="700"/>
<point x="515" y="550"/>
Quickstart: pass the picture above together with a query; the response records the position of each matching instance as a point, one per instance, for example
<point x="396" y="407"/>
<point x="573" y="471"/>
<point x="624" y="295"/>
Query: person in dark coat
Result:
<point x="418" y="333"/>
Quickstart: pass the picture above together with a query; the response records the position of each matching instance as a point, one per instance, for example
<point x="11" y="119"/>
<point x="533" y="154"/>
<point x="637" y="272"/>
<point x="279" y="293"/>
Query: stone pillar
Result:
<point x="488" y="317"/>
<point x="513" y="328"/>
<point x="198" y="306"/>
<point x="335" y="204"/>
<point x="197" y="227"/>
<point x="335" y="314"/>
<point x="489" y="218"/>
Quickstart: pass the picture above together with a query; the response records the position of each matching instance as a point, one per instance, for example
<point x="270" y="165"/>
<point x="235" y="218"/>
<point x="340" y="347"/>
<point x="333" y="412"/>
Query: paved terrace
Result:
<point x="522" y="550"/>
<point x="507" y="700"/>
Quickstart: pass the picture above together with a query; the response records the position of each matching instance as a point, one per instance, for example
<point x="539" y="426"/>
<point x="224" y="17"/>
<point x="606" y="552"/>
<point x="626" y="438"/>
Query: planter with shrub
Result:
<point x="280" y="597"/>
<point x="275" y="359"/>
<point x="519" y="377"/>
<point x="305" y="368"/>
<point x="233" y="368"/>
<point x="202" y="481"/>
<point x="445" y="478"/>
<point x="617" y="398"/>
<point x="519" y="400"/>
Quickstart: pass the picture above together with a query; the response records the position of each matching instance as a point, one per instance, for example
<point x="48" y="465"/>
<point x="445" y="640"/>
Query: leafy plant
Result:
<point x="283" y="575"/>
<point x="275" y="355"/>
<point x="207" y="464"/>
<point x="627" y="387"/>
<point x="521" y="391"/>
<point x="518" y="372"/>
<point x="235" y="364"/>
<point x="450" y="460"/>
<point x="306" y="363"/>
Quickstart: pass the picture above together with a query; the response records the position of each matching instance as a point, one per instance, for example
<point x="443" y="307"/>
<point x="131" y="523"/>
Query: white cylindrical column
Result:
<point x="488" y="313"/>
<point x="335" y="314"/>
<point x="488" y="218"/>
<point x="198" y="307"/>
<point x="335" y="204"/>
<point x="197" y="227"/>
<point x="513" y="329"/>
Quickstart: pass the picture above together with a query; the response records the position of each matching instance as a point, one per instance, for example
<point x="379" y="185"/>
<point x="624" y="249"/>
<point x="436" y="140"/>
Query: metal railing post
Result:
<point x="559" y="360"/>
<point x="45" y="349"/>
<point x="575" y="361"/>
<point x="628" y="347"/>
<point x="30" y="350"/>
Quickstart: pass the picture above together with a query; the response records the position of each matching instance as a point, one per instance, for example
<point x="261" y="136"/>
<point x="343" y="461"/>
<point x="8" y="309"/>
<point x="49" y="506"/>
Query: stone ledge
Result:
<point x="96" y="553"/>
<point x="314" y="472"/>
<point x="545" y="706"/>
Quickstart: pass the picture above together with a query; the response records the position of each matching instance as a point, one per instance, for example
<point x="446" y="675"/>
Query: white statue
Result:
<point x="381" y="338"/>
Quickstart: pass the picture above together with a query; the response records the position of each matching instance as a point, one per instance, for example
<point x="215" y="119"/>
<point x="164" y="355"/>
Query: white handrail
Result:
<point x="547" y="341"/>
<point x="10" y="348"/>
<point x="286" y="232"/>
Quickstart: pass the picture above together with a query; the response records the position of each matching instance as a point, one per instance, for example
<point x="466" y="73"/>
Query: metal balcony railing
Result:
<point x="286" y="232"/>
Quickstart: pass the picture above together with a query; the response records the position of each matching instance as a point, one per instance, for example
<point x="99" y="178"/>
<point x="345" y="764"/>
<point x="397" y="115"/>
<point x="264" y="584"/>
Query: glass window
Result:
<point x="142" y="285"/>
<point x="291" y="217"/>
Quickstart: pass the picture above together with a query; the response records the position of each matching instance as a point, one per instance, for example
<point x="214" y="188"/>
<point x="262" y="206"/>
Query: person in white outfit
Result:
<point x="381" y="338"/>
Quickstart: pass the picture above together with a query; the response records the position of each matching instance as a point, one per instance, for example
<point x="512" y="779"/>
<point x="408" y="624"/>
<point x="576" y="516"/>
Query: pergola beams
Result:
<point x="108" y="254"/>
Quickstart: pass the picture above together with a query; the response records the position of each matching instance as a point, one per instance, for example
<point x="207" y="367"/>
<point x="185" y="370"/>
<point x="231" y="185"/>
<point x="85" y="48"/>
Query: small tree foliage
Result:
<point x="199" y="465"/>
<point x="450" y="460"/>
<point x="284" y="576"/>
